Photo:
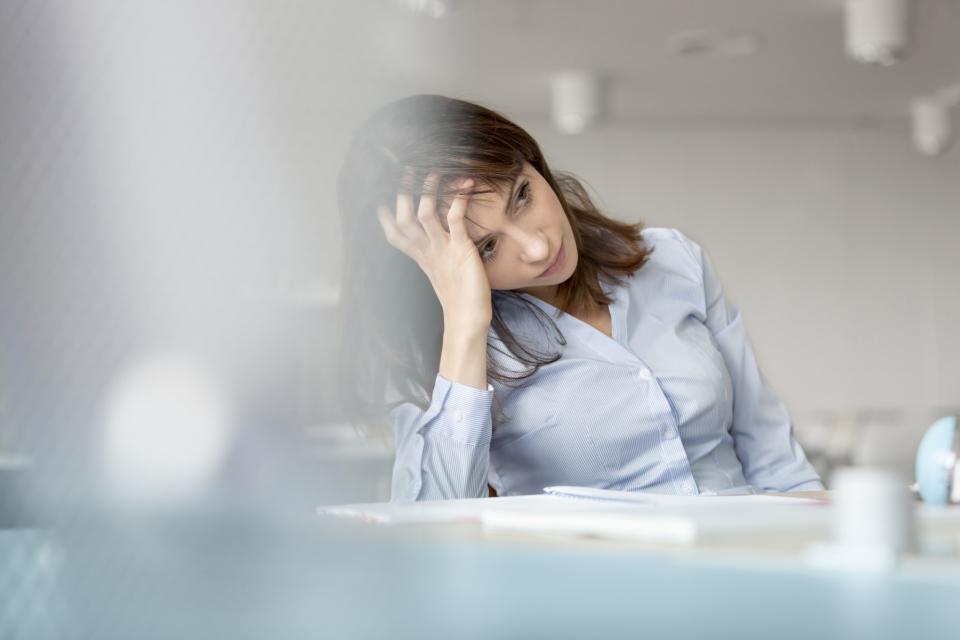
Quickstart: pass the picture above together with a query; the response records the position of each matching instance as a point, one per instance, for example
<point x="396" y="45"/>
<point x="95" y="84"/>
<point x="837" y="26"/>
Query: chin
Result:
<point x="560" y="278"/>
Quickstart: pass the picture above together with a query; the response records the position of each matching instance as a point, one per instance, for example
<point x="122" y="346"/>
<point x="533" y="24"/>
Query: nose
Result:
<point x="533" y="245"/>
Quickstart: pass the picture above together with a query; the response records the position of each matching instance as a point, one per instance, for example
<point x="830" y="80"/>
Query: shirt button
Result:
<point x="686" y="486"/>
<point x="644" y="374"/>
<point x="458" y="416"/>
<point x="669" y="434"/>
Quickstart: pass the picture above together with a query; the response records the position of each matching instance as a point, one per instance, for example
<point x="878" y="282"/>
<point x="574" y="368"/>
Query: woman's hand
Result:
<point x="450" y="260"/>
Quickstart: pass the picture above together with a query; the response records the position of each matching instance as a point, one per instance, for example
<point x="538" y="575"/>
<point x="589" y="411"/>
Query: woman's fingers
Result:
<point x="427" y="212"/>
<point x="411" y="233"/>
<point x="457" y="213"/>
<point x="406" y="221"/>
<point x="391" y="231"/>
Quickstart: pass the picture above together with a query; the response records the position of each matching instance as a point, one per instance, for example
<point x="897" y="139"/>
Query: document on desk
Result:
<point x="742" y="496"/>
<point x="670" y="519"/>
<point x="467" y="510"/>
<point x="580" y="503"/>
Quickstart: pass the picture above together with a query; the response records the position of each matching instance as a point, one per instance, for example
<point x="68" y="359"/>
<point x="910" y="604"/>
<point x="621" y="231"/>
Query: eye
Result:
<point x="523" y="194"/>
<point x="488" y="251"/>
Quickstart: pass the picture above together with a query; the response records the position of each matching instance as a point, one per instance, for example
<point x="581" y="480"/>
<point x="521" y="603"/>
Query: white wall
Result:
<point x="840" y="246"/>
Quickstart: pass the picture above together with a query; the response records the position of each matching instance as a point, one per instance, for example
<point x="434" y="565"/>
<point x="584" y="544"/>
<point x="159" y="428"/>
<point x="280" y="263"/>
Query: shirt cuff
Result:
<point x="464" y="414"/>
<point x="809" y="485"/>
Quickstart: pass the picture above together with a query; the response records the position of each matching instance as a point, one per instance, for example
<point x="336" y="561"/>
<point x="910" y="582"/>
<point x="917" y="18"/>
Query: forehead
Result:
<point x="486" y="210"/>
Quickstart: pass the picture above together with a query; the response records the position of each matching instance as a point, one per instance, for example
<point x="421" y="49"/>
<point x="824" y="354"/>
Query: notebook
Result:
<point x="554" y="500"/>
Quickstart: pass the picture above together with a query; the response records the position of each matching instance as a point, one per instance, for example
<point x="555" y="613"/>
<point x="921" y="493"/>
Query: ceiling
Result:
<point x="503" y="53"/>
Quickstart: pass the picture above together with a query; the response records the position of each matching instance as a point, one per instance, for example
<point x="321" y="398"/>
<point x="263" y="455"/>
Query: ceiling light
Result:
<point x="932" y="127"/>
<point x="431" y="8"/>
<point x="932" y="119"/>
<point x="878" y="31"/>
<point x="575" y="100"/>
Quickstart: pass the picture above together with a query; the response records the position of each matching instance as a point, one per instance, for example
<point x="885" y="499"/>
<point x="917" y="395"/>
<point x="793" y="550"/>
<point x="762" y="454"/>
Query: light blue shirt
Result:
<point x="673" y="403"/>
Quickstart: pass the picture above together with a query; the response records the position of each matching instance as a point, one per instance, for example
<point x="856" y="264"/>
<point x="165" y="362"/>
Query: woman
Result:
<point x="514" y="336"/>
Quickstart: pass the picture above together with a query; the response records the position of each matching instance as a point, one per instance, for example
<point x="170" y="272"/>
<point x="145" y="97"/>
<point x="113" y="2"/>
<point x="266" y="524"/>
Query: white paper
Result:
<point x="666" y="500"/>
<point x="468" y="510"/>
<point x="619" y="525"/>
<point x="554" y="500"/>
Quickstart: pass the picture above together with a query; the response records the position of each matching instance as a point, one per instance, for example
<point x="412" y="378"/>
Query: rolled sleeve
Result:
<point x="443" y="452"/>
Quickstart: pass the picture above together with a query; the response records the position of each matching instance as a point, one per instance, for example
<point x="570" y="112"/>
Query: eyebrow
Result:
<point x="506" y="210"/>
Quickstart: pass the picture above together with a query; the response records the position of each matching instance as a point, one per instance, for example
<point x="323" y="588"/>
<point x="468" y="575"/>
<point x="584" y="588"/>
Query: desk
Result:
<point x="240" y="574"/>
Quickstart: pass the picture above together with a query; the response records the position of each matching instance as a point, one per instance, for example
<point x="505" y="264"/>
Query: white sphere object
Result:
<point x="165" y="430"/>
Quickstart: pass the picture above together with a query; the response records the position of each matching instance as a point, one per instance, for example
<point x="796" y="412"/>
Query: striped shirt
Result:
<point x="673" y="403"/>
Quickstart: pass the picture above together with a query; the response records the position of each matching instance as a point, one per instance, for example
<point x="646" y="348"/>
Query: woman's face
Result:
<point x="524" y="237"/>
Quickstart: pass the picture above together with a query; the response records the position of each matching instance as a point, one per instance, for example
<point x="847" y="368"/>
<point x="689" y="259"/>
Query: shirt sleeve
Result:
<point x="762" y="430"/>
<point x="443" y="452"/>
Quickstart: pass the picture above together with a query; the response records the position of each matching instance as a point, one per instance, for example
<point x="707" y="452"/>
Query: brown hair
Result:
<point x="391" y="322"/>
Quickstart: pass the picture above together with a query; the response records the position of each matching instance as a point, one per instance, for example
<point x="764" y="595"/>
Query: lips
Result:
<point x="555" y="265"/>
